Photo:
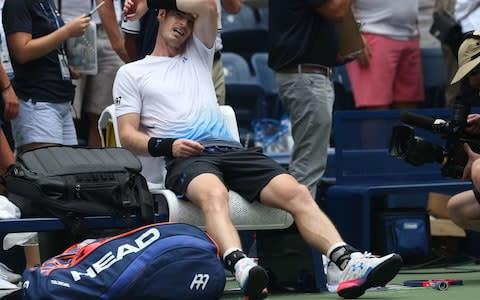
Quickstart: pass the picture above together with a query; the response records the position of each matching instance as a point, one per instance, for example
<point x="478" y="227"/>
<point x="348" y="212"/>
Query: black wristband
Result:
<point x="160" y="147"/>
<point x="163" y="4"/>
<point x="476" y="193"/>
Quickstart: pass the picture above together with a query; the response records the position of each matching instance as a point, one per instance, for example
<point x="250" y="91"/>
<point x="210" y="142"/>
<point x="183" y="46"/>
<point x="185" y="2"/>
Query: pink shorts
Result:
<point x="394" y="74"/>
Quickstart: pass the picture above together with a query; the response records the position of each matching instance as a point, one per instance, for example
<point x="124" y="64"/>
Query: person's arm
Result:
<point x="205" y="26"/>
<point x="6" y="156"/>
<point x="10" y="100"/>
<point x="473" y="124"/>
<point x="135" y="9"/>
<point x="110" y="24"/>
<point x="472" y="157"/>
<point x="333" y="10"/>
<point x="24" y="48"/>
<point x="131" y="36"/>
<point x="231" y="6"/>
<point x="130" y="136"/>
<point x="141" y="144"/>
<point x="131" y="45"/>
<point x="205" y="11"/>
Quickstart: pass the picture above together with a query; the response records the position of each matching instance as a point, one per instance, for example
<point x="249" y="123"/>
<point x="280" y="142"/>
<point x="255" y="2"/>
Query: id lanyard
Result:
<point x="62" y="54"/>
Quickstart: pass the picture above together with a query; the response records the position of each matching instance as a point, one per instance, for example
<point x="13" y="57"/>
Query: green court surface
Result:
<point x="469" y="273"/>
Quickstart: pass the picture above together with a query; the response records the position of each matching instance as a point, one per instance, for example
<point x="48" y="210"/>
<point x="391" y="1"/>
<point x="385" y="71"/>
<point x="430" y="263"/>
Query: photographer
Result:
<point x="464" y="208"/>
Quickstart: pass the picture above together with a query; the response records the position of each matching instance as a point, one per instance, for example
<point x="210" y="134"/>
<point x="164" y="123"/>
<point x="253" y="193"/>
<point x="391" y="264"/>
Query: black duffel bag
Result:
<point x="74" y="182"/>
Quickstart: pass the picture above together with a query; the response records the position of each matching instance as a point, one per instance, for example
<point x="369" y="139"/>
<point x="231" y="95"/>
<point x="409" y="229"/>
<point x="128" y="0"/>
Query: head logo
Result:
<point x="117" y="100"/>
<point x="109" y="259"/>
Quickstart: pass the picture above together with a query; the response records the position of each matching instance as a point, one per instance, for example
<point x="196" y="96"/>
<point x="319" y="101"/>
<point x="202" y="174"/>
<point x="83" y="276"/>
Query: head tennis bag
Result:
<point x="72" y="182"/>
<point x="161" y="261"/>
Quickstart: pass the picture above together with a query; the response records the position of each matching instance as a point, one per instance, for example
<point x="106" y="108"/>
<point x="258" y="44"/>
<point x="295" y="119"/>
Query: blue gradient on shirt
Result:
<point x="208" y="126"/>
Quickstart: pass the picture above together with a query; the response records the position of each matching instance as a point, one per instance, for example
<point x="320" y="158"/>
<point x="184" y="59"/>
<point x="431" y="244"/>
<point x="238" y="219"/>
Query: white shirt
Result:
<point x="175" y="97"/>
<point x="468" y="14"/>
<point x="393" y="18"/>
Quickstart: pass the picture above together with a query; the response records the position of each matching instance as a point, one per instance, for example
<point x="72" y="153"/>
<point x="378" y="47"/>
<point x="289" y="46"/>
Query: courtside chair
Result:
<point x="245" y="215"/>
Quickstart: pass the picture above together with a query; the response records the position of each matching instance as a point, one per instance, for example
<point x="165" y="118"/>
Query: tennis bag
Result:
<point x="73" y="182"/>
<point x="162" y="261"/>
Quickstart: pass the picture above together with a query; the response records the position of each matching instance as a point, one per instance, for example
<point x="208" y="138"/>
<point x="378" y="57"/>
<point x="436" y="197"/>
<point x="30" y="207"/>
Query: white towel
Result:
<point x="8" y="210"/>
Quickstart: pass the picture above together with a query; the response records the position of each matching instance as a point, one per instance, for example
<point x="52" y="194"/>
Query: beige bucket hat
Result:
<point x="468" y="56"/>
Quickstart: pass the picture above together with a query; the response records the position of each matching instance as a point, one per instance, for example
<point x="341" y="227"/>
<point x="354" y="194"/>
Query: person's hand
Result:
<point x="119" y="48"/>
<point x="344" y="59"/>
<point x="186" y="148"/>
<point x="363" y="58"/>
<point x="77" y="26"/>
<point x="11" y="104"/>
<point x="473" y="124"/>
<point x="75" y="73"/>
<point x="135" y="9"/>
<point x="472" y="156"/>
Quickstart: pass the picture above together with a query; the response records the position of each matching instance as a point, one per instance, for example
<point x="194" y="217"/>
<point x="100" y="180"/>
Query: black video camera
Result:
<point x="417" y="151"/>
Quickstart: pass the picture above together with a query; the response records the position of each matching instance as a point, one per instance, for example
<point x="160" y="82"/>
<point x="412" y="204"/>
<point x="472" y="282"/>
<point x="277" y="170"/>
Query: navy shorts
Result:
<point x="244" y="170"/>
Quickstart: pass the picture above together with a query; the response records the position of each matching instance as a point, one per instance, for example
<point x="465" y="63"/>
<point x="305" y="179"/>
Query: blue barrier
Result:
<point x="365" y="171"/>
<point x="40" y="224"/>
<point x="54" y="224"/>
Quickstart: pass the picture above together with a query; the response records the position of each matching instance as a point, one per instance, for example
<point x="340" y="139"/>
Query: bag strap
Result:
<point x="145" y="199"/>
<point x="467" y="14"/>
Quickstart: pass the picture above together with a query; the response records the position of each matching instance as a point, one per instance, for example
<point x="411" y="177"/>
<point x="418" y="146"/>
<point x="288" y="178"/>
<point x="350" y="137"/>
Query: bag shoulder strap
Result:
<point x="477" y="5"/>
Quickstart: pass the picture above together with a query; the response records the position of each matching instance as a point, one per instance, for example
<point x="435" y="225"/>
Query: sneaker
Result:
<point x="365" y="270"/>
<point x="333" y="276"/>
<point x="7" y="274"/>
<point x="252" y="279"/>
